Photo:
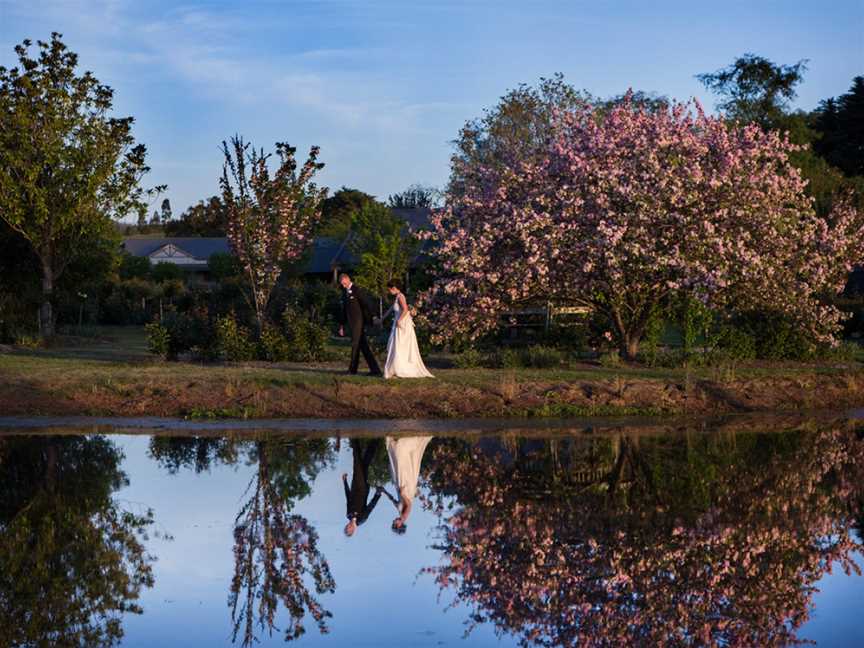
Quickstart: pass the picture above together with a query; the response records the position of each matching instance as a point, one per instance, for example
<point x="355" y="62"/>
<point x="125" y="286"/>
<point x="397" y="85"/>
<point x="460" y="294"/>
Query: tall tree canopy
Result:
<point x="627" y="208"/>
<point x="840" y="124"/>
<point x="66" y="165"/>
<point x="753" y="89"/>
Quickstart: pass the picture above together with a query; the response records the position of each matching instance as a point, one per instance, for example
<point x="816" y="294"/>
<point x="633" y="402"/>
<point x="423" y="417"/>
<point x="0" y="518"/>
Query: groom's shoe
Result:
<point x="376" y="374"/>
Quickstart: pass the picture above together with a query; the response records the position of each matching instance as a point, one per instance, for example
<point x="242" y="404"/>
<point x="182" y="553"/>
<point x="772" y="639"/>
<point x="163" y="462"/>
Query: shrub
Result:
<point x="233" y="341"/>
<point x="305" y="338"/>
<point x="166" y="271"/>
<point x="134" y="267"/>
<point x="223" y="265"/>
<point x="272" y="345"/>
<point x="158" y="339"/>
<point x="469" y="359"/>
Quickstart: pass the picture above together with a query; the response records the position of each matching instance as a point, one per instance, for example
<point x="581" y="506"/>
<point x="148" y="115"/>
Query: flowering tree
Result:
<point x="270" y="217"/>
<point x="731" y="560"/>
<point x="630" y="206"/>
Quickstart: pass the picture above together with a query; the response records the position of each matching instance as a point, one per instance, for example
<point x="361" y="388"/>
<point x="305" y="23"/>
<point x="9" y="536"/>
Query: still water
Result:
<point x="737" y="534"/>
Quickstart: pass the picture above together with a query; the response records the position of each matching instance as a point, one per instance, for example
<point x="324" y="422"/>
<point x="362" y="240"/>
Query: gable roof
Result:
<point x="198" y="247"/>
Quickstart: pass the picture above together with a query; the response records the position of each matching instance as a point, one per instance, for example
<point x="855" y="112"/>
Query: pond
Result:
<point x="150" y="533"/>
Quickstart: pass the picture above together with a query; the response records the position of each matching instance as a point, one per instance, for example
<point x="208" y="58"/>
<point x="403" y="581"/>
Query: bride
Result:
<point x="403" y="354"/>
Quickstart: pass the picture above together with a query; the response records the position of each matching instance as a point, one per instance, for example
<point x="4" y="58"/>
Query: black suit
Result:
<point x="355" y="497"/>
<point x="357" y="314"/>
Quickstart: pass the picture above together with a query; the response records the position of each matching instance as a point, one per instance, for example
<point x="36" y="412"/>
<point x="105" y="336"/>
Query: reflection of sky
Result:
<point x="379" y="598"/>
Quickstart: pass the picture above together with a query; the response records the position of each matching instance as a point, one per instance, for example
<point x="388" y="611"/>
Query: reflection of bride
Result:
<point x="405" y="454"/>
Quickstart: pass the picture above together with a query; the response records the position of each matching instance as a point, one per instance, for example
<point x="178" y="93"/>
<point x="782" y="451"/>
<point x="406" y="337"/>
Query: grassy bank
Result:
<point x="112" y="375"/>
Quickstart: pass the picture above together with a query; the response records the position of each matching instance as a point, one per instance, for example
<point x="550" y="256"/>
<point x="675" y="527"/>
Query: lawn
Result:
<point x="109" y="371"/>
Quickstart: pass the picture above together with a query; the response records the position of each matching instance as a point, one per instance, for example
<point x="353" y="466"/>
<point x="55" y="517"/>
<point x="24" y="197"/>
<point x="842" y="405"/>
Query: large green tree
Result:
<point x="754" y="89"/>
<point x="383" y="245"/>
<point x="840" y="124"/>
<point x="206" y="218"/>
<point x="67" y="167"/>
<point x="337" y="211"/>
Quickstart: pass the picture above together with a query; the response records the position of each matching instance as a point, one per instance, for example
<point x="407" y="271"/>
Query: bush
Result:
<point x="469" y="359"/>
<point x="233" y="341"/>
<point x="166" y="271"/>
<point x="134" y="267"/>
<point x="223" y="265"/>
<point x="272" y="345"/>
<point x="158" y="340"/>
<point x="305" y="338"/>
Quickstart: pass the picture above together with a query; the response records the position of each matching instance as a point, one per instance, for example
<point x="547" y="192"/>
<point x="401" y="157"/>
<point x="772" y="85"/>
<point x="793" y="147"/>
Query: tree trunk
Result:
<point x="630" y="347"/>
<point x="46" y="311"/>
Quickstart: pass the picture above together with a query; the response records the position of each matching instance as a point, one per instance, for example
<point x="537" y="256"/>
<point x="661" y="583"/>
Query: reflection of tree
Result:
<point x="71" y="561"/>
<point x="173" y="453"/>
<point x="709" y="541"/>
<point x="273" y="549"/>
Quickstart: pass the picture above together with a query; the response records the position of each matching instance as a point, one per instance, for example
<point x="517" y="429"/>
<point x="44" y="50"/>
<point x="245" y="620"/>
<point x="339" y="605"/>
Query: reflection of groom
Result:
<point x="358" y="510"/>
<point x="356" y="313"/>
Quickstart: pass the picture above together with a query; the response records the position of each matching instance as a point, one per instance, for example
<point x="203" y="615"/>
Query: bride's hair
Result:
<point x="394" y="284"/>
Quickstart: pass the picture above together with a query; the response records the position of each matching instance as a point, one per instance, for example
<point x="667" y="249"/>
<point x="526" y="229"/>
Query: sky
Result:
<point x="383" y="87"/>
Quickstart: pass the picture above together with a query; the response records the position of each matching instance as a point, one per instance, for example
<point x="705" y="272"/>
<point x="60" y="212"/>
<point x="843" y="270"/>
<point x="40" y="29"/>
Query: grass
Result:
<point x="112" y="372"/>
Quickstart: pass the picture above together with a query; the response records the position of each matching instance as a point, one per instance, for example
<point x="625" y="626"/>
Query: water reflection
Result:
<point x="275" y="550"/>
<point x="624" y="539"/>
<point x="72" y="560"/>
<point x="707" y="540"/>
<point x="406" y="457"/>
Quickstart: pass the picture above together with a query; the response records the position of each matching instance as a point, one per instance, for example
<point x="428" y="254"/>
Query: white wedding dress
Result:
<point x="403" y="354"/>
<point x="406" y="455"/>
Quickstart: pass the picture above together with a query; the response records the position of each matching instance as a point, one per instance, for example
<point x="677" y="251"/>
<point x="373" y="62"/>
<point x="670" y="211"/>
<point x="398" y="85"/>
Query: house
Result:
<point x="327" y="257"/>
<point x="190" y="253"/>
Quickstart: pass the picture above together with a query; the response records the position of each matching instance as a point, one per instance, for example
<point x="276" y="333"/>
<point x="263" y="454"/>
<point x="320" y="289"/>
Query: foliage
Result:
<point x="838" y="122"/>
<point x="158" y="340"/>
<point x="337" y="211"/>
<point x="271" y="218"/>
<point x="305" y="338"/>
<point x="384" y="246"/>
<point x="715" y="540"/>
<point x="72" y="560"/>
<point x="134" y="267"/>
<point x="166" y="271"/>
<point x="234" y="342"/>
<point x="206" y="218"/>
<point x="223" y="265"/>
<point x="755" y="90"/>
<point x="272" y="345"/>
<point x="66" y="166"/>
<point x="416" y="196"/>
<point x="629" y="208"/>
<point x="273" y="551"/>
<point x="516" y="130"/>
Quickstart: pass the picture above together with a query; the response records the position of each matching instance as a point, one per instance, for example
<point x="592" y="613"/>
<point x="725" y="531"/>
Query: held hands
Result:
<point x="341" y="331"/>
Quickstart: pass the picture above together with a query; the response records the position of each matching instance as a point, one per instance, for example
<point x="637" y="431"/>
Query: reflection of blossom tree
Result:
<point x="273" y="549"/>
<point x="71" y="560"/>
<point x="709" y="542"/>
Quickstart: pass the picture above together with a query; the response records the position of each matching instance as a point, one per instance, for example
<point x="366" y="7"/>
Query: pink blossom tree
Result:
<point x="733" y="559"/>
<point x="630" y="207"/>
<point x="270" y="216"/>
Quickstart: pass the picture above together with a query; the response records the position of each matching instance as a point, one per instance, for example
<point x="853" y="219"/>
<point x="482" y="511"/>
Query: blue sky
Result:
<point x="383" y="87"/>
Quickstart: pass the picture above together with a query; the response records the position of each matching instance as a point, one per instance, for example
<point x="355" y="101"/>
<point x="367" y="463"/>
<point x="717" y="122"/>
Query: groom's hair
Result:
<point x="344" y="274"/>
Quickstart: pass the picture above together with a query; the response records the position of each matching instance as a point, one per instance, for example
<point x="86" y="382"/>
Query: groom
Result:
<point x="356" y="313"/>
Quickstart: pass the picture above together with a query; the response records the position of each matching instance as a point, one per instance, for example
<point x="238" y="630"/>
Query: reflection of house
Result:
<point x="326" y="258"/>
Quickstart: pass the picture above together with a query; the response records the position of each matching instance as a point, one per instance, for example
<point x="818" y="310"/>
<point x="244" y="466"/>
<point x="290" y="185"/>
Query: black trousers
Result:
<point x="359" y="344"/>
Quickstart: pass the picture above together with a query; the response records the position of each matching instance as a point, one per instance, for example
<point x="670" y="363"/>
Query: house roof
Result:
<point x="198" y="247"/>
